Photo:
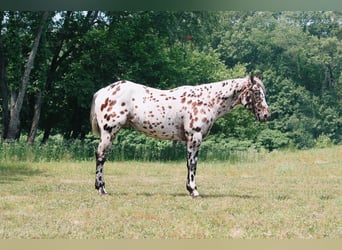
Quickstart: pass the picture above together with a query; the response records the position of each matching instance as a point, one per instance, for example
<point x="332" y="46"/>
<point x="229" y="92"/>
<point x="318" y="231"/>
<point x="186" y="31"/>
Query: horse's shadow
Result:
<point x="220" y="195"/>
<point x="204" y="196"/>
<point x="229" y="195"/>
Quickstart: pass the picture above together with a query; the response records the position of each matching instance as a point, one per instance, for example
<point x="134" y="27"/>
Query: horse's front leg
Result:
<point x="193" y="144"/>
<point x="101" y="154"/>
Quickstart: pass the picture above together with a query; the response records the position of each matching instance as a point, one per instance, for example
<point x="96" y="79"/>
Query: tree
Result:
<point x="18" y="98"/>
<point x="3" y="83"/>
<point x="65" y="41"/>
<point x="299" y="54"/>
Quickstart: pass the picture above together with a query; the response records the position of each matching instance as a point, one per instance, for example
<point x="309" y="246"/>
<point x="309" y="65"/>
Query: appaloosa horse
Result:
<point x="185" y="114"/>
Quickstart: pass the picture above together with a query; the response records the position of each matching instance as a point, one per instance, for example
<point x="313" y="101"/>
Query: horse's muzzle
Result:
<point x="263" y="117"/>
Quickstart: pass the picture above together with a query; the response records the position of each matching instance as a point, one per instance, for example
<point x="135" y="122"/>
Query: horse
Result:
<point x="185" y="113"/>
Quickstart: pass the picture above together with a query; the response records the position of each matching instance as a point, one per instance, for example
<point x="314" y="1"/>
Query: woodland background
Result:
<point x="51" y="63"/>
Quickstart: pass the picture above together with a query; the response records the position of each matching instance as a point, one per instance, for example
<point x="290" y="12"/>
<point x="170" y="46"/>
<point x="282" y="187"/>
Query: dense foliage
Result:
<point x="298" y="53"/>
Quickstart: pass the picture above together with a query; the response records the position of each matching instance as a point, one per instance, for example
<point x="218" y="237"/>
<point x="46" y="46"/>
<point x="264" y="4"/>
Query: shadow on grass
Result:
<point x="239" y="196"/>
<point x="185" y="194"/>
<point x="12" y="172"/>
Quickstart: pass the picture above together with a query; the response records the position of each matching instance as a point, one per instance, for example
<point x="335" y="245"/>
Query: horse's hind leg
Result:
<point x="101" y="154"/>
<point x="193" y="144"/>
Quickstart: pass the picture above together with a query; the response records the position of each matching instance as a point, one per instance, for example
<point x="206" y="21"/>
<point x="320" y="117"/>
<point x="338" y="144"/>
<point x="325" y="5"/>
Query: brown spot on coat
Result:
<point x="116" y="90"/>
<point x="105" y="104"/>
<point x="112" y="103"/>
<point x="191" y="123"/>
<point x="203" y="111"/>
<point x="197" y="129"/>
<point x="195" y="110"/>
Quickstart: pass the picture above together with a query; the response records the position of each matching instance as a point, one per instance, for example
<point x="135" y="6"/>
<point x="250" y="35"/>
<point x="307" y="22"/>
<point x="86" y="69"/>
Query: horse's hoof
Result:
<point x="102" y="191"/>
<point x="195" y="194"/>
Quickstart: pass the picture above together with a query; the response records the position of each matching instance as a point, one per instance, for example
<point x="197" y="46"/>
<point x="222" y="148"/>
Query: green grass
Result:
<point x="279" y="195"/>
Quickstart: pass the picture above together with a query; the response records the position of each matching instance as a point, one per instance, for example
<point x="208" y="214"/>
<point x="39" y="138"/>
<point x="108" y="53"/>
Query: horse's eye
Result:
<point x="257" y="94"/>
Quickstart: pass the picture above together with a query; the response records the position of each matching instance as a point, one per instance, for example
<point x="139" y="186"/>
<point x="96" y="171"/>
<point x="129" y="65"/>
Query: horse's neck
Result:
<point x="227" y="95"/>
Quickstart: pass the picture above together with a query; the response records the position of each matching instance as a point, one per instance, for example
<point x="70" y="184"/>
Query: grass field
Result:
<point x="278" y="195"/>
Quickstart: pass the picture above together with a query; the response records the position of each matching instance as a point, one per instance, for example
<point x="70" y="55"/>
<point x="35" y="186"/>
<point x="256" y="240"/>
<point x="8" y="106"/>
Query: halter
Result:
<point x="254" y="98"/>
<point x="249" y="90"/>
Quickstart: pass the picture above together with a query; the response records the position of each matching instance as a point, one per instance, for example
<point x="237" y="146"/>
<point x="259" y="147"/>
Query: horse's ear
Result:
<point x="252" y="78"/>
<point x="259" y="76"/>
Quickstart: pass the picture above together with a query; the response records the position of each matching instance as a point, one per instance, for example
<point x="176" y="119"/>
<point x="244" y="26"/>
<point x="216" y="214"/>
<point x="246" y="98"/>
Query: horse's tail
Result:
<point x="93" y="120"/>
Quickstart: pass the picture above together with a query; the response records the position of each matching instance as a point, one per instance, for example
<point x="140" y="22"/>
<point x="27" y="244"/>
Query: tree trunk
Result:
<point x="4" y="93"/>
<point x="36" y="117"/>
<point x="3" y="86"/>
<point x="47" y="132"/>
<point x="14" y="123"/>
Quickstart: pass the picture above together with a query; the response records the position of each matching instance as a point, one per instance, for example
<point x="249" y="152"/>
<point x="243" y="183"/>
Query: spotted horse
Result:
<point x="186" y="113"/>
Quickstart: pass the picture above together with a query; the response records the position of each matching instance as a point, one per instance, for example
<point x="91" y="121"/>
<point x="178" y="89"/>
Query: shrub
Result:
<point x="272" y="139"/>
<point x="323" y="141"/>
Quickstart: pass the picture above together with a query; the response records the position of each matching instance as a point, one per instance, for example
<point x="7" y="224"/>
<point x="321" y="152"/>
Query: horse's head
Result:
<point x="254" y="99"/>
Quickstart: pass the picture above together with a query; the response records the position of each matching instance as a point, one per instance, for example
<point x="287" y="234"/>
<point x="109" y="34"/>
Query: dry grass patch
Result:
<point x="280" y="195"/>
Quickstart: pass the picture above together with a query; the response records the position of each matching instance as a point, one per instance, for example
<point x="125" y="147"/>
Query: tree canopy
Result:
<point x="298" y="53"/>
